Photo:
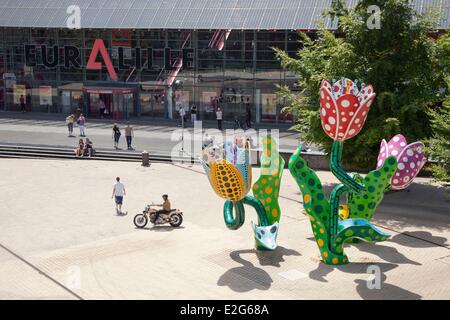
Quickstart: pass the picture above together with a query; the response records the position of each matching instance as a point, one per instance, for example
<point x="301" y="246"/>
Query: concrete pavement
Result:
<point x="160" y="136"/>
<point x="64" y="240"/>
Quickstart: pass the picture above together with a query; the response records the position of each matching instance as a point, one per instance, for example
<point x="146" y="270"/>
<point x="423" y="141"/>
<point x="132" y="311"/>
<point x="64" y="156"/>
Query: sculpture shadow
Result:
<point x="324" y="269"/>
<point x="386" y="291"/>
<point x="385" y="253"/>
<point x="426" y="239"/>
<point x="248" y="276"/>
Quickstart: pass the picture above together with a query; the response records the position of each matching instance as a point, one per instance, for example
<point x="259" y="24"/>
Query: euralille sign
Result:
<point x="71" y="57"/>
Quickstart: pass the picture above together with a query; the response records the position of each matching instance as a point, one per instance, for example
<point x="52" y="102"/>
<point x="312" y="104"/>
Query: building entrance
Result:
<point x="117" y="104"/>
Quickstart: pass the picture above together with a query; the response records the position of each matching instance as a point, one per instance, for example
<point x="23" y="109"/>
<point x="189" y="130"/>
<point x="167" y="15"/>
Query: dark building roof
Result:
<point x="183" y="14"/>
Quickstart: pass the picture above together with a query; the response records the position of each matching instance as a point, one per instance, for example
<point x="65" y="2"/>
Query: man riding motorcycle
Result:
<point x="165" y="206"/>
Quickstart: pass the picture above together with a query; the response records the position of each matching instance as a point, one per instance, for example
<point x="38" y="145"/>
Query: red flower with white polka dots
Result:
<point x="344" y="108"/>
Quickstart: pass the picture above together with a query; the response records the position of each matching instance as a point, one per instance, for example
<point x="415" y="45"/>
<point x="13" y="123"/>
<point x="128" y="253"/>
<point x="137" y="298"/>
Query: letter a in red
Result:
<point x="92" y="64"/>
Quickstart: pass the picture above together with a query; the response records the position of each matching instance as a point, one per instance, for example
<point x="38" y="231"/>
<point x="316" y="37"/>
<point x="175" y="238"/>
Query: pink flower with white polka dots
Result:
<point x="410" y="158"/>
<point x="344" y="108"/>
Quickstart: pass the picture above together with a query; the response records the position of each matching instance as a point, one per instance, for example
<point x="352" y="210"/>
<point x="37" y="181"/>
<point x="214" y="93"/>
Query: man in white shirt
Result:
<point x="118" y="192"/>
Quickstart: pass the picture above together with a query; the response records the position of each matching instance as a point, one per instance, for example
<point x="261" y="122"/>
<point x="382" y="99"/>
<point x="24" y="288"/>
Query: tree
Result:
<point x="401" y="60"/>
<point x="438" y="146"/>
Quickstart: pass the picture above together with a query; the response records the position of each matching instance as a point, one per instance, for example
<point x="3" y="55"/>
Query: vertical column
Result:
<point x="168" y="98"/>
<point x="83" y="66"/>
<point x="257" y="92"/>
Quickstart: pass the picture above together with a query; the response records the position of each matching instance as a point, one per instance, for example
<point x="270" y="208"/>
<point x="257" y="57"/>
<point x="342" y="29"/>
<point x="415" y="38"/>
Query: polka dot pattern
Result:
<point x="410" y="160"/>
<point x="267" y="188"/>
<point x="327" y="106"/>
<point x="227" y="181"/>
<point x="229" y="169"/>
<point x="363" y="205"/>
<point x="317" y="207"/>
<point x="343" y="112"/>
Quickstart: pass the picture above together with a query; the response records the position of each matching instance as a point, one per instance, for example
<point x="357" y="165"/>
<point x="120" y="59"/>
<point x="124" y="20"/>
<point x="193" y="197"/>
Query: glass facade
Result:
<point x="236" y="70"/>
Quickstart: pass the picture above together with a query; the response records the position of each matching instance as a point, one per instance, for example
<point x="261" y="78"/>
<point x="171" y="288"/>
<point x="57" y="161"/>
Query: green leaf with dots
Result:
<point x="314" y="200"/>
<point x="376" y="182"/>
<point x="359" y="229"/>
<point x="267" y="188"/>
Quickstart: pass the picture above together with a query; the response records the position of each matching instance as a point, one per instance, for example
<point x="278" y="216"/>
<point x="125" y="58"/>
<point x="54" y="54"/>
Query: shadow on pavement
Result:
<point x="323" y="269"/>
<point x="160" y="228"/>
<point x="386" y="253"/>
<point x="386" y="291"/>
<point x="249" y="277"/>
<point x="425" y="239"/>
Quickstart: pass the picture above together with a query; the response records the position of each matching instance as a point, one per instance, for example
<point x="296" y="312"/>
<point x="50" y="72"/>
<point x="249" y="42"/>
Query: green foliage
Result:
<point x="438" y="146"/>
<point x="401" y="61"/>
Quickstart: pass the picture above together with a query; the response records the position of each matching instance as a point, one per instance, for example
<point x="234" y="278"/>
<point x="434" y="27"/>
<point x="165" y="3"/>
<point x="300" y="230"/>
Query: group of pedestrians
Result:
<point x="219" y="117"/>
<point x="182" y="113"/>
<point x="80" y="120"/>
<point x="85" y="148"/>
<point x="129" y="135"/>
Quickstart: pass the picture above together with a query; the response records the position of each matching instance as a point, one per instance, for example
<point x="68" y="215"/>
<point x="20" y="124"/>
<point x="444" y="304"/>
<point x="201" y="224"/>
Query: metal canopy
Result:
<point x="183" y="14"/>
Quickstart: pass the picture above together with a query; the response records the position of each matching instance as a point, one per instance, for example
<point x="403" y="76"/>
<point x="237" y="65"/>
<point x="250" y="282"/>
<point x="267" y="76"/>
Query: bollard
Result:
<point x="145" y="159"/>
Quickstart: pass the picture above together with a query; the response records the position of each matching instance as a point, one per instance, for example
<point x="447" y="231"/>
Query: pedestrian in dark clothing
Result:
<point x="22" y="103"/>
<point x="193" y="113"/>
<point x="88" y="148"/>
<point x="116" y="135"/>
<point x="248" y="115"/>
<point x="28" y="101"/>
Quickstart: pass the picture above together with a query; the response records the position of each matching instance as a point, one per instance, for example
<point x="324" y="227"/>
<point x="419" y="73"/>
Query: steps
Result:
<point x="34" y="152"/>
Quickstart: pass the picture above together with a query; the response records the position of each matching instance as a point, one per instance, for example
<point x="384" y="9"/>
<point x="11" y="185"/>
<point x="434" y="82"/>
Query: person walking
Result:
<point x="248" y="114"/>
<point x="78" y="111"/>
<point x="81" y="124"/>
<point x="129" y="135"/>
<point x="116" y="135"/>
<point x="182" y="113"/>
<point x="69" y="121"/>
<point x="101" y="107"/>
<point x="118" y="193"/>
<point x="22" y="103"/>
<point x="193" y="113"/>
<point x="219" y="118"/>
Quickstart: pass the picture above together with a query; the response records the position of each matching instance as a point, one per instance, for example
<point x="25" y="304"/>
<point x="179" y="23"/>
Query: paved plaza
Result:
<point x="156" y="136"/>
<point x="60" y="238"/>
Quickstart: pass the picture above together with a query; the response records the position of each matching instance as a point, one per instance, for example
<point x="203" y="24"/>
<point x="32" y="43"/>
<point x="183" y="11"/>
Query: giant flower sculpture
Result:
<point x="410" y="158"/>
<point x="229" y="171"/>
<point x="343" y="110"/>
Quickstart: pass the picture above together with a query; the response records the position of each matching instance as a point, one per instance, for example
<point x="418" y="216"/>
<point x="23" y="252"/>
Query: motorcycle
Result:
<point x="174" y="217"/>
